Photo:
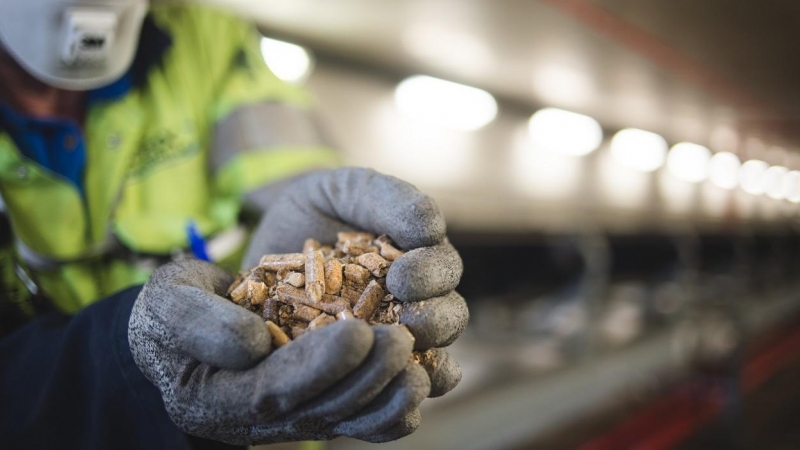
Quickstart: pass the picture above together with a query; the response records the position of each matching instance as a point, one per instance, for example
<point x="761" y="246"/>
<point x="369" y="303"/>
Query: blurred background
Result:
<point x="621" y="178"/>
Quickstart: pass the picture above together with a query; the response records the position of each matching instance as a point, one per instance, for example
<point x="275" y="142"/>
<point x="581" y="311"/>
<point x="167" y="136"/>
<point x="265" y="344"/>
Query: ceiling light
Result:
<point x="772" y="181"/>
<point x="791" y="186"/>
<point x="564" y="132"/>
<point x="445" y="103"/>
<point x="688" y="162"/>
<point x="750" y="176"/>
<point x="638" y="149"/>
<point x="723" y="170"/>
<point x="289" y="62"/>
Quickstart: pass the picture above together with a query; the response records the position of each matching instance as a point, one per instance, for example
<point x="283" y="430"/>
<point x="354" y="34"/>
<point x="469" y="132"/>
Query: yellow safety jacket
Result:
<point x="204" y="123"/>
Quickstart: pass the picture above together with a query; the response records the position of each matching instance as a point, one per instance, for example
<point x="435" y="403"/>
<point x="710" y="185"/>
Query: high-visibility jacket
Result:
<point x="203" y="123"/>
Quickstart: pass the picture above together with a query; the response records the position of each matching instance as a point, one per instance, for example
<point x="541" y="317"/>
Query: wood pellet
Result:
<point x="297" y="293"/>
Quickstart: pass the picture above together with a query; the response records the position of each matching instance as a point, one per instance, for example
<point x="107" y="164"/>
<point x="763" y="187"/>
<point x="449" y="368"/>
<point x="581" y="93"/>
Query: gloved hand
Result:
<point x="320" y="204"/>
<point x="207" y="357"/>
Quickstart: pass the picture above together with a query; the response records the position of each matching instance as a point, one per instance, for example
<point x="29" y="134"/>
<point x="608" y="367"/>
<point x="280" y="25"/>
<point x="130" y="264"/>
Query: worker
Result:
<point x="133" y="139"/>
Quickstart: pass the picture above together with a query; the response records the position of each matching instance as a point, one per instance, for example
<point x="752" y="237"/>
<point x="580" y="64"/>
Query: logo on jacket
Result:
<point x="162" y="149"/>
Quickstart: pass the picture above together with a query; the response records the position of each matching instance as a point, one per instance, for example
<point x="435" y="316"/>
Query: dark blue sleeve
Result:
<point x="71" y="382"/>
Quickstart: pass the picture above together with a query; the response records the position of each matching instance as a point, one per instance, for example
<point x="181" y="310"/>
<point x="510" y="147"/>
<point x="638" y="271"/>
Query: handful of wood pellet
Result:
<point x="299" y="292"/>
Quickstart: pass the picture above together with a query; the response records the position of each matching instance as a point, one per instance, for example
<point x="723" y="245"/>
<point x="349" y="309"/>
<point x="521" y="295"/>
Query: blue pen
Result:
<point x="196" y="242"/>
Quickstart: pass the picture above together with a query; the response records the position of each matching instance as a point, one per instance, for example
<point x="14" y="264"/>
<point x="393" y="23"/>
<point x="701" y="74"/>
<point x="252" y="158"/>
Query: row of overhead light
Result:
<point x="465" y="108"/>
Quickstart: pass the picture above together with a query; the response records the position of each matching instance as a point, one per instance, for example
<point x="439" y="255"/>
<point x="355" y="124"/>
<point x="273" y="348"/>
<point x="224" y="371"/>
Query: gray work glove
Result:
<point x="320" y="204"/>
<point x="208" y="357"/>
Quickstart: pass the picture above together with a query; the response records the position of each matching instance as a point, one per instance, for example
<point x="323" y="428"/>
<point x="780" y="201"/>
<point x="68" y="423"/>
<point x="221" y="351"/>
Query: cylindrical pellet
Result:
<point x="344" y="236"/>
<point x="351" y="294"/>
<point x="279" y="338"/>
<point x="333" y="277"/>
<point x="239" y="293"/>
<point x="320" y="321"/>
<point x="271" y="310"/>
<point x="388" y="251"/>
<point x="355" y="273"/>
<point x="240" y="278"/>
<point x="330" y="304"/>
<point x="289" y="261"/>
<point x="374" y="263"/>
<point x="304" y="312"/>
<point x="315" y="275"/>
<point x="256" y="292"/>
<point x="333" y="302"/>
<point x="292" y="295"/>
<point x="310" y="245"/>
<point x="356" y="248"/>
<point x="269" y="278"/>
<point x="296" y="279"/>
<point x="257" y="273"/>
<point x="368" y="302"/>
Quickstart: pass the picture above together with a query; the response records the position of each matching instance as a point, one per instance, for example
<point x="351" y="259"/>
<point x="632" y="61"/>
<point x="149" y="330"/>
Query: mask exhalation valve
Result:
<point x="89" y="36"/>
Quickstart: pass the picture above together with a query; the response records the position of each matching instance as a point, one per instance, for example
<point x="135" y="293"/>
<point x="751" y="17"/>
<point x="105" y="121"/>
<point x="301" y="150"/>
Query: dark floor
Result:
<point x="769" y="419"/>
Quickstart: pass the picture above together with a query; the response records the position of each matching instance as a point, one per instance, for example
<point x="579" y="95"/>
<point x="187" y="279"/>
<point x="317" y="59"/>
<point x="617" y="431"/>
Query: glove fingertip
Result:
<point x="424" y="224"/>
<point x="213" y="330"/>
<point x="236" y="345"/>
<point x="397" y="208"/>
<point x="403" y="395"/>
<point x="312" y="365"/>
<point x="425" y="273"/>
<point x="436" y="322"/>
<point x="443" y="371"/>
<point x="183" y="298"/>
